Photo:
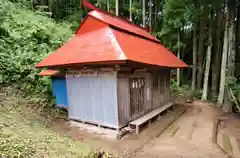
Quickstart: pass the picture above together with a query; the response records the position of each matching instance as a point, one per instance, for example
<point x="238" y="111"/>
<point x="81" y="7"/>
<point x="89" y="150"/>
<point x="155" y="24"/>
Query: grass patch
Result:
<point x="25" y="133"/>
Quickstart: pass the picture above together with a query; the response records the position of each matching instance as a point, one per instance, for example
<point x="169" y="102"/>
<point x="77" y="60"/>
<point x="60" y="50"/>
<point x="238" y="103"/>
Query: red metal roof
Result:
<point x="108" y="44"/>
<point x="122" y="24"/>
<point x="90" y="24"/>
<point x="145" y="51"/>
<point x="49" y="73"/>
<point x="96" y="46"/>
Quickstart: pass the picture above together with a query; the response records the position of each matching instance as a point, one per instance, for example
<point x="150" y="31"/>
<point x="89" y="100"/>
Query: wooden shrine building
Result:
<point x="116" y="72"/>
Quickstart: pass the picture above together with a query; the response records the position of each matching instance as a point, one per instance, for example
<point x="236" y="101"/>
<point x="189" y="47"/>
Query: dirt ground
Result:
<point x="186" y="132"/>
<point x="128" y="145"/>
<point x="189" y="137"/>
<point x="228" y="133"/>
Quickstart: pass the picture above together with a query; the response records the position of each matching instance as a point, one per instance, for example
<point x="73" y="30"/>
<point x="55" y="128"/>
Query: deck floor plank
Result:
<point x="150" y="115"/>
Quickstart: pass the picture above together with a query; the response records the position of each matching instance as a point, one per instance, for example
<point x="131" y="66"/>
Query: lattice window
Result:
<point x="136" y="95"/>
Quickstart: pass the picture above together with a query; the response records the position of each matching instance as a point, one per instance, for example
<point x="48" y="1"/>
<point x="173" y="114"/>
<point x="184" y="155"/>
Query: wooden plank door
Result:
<point x="136" y="96"/>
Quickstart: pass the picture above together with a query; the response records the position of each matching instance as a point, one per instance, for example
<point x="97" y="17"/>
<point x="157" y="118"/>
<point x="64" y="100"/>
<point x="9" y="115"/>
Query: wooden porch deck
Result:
<point x="149" y="116"/>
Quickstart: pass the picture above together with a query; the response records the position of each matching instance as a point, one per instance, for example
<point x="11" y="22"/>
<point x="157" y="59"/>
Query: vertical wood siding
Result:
<point x="137" y="95"/>
<point x="123" y="100"/>
<point x="156" y="93"/>
<point x="161" y="88"/>
<point x="148" y="92"/>
<point x="168" y="86"/>
<point x="93" y="98"/>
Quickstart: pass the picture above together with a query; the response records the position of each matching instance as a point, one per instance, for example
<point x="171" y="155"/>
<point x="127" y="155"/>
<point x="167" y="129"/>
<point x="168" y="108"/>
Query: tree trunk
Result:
<point x="238" y="42"/>
<point x="231" y="54"/>
<point x="155" y="15"/>
<point x="232" y="46"/>
<point x="224" y="62"/>
<point x="194" y="69"/>
<point x="143" y="13"/>
<point x="178" y="55"/>
<point x="201" y="45"/>
<point x="150" y="15"/>
<point x="158" y="7"/>
<point x="108" y="6"/>
<point x="130" y="10"/>
<point x="50" y="8"/>
<point x="116" y="7"/>
<point x="217" y="55"/>
<point x="208" y="63"/>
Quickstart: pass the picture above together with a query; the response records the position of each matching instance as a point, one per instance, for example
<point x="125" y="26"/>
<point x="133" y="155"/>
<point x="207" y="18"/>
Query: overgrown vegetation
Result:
<point x="26" y="38"/>
<point x="29" y="132"/>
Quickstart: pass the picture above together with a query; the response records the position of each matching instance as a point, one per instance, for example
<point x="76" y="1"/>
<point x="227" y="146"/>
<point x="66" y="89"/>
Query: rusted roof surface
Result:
<point x="107" y="44"/>
<point x="49" y="73"/>
<point x="122" y="24"/>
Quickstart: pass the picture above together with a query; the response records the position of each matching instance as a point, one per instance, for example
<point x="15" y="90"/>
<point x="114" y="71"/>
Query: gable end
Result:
<point x="90" y="24"/>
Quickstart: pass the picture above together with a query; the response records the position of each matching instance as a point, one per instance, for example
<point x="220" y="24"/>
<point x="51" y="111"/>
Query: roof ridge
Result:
<point x="118" y="22"/>
<point x="122" y="55"/>
<point x="120" y="18"/>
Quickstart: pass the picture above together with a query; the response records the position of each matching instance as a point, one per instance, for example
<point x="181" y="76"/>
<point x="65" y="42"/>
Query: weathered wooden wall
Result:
<point x="113" y="99"/>
<point x="123" y="100"/>
<point x="161" y="88"/>
<point x="156" y="93"/>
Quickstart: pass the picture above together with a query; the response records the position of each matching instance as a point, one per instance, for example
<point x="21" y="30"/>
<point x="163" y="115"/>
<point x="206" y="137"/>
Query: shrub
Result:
<point x="26" y="38"/>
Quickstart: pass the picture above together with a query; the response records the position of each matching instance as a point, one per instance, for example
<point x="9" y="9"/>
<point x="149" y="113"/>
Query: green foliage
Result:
<point x="185" y="91"/>
<point x="11" y="146"/>
<point x="235" y="86"/>
<point x="176" y="18"/>
<point x="26" y="38"/>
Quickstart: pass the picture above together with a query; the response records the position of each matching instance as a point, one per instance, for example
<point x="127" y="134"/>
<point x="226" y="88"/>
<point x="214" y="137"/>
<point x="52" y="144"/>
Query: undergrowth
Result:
<point x="185" y="91"/>
<point x="29" y="132"/>
<point x="232" y="83"/>
<point x="26" y="38"/>
<point x="11" y="146"/>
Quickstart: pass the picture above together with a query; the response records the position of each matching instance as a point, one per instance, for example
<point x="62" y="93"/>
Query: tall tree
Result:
<point x="224" y="59"/>
<point x="143" y="13"/>
<point x="194" y="12"/>
<point x="202" y="21"/>
<point x="231" y="54"/>
<point x="130" y="10"/>
<point x="232" y="39"/>
<point x="217" y="53"/>
<point x="108" y="6"/>
<point x="194" y="71"/>
<point x="208" y="58"/>
<point x="175" y="20"/>
<point x="150" y="14"/>
<point x="179" y="56"/>
<point x="116" y="7"/>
